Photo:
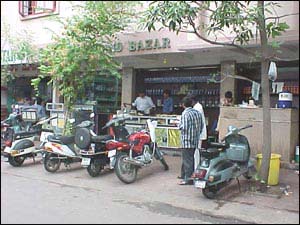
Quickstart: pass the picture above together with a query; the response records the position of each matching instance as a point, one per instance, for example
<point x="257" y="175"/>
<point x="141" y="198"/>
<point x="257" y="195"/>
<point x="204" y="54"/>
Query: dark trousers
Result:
<point x="187" y="167"/>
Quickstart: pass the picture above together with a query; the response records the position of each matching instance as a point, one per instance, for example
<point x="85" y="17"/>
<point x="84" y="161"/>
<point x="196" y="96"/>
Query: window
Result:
<point x="31" y="8"/>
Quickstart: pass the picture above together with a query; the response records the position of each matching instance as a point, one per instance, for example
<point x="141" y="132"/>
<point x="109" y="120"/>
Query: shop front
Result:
<point x="186" y="66"/>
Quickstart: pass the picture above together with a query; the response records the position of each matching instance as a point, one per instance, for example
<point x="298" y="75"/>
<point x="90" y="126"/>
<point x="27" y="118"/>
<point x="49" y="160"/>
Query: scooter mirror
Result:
<point x="92" y="115"/>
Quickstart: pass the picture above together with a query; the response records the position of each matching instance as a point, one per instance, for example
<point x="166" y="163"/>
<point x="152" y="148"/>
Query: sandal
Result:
<point x="186" y="182"/>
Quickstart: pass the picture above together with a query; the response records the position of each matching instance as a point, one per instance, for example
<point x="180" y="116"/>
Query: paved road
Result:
<point x="30" y="194"/>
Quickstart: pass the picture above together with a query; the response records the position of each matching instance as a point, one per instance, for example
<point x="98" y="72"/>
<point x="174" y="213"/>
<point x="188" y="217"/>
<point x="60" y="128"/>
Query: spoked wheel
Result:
<point x="16" y="161"/>
<point x="94" y="168"/>
<point x="125" y="171"/>
<point x="51" y="165"/>
<point x="210" y="192"/>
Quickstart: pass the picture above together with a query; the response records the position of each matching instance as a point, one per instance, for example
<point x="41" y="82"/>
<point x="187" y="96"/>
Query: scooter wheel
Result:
<point x="51" y="165"/>
<point x="94" y="168"/>
<point x="209" y="192"/>
<point x="16" y="161"/>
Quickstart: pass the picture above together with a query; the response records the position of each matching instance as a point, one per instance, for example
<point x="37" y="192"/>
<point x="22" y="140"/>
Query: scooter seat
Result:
<point x="67" y="139"/>
<point x="24" y="134"/>
<point x="219" y="145"/>
<point x="53" y="138"/>
<point x="101" y="138"/>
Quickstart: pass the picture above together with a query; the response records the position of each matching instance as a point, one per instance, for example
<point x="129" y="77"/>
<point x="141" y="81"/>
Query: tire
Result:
<point x="16" y="161"/>
<point x="210" y="192"/>
<point x="247" y="176"/>
<point x="94" y="168"/>
<point x="51" y="165"/>
<point x="126" y="172"/>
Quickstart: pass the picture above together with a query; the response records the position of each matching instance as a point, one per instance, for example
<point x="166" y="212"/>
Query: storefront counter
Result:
<point x="284" y="124"/>
<point x="167" y="132"/>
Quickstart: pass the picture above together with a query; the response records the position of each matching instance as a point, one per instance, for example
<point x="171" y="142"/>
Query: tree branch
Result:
<point x="243" y="50"/>
<point x="278" y="17"/>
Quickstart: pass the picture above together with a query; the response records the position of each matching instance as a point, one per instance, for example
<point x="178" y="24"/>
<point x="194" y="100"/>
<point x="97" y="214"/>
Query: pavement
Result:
<point x="154" y="198"/>
<point x="280" y="199"/>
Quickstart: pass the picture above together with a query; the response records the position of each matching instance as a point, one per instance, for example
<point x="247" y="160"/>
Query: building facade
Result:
<point x="162" y="60"/>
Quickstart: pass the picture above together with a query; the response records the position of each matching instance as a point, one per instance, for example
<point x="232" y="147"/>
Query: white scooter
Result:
<point x="20" y="145"/>
<point x="59" y="149"/>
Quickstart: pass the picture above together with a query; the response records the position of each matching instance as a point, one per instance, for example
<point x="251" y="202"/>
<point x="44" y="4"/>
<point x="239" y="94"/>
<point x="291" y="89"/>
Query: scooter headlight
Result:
<point x="14" y="152"/>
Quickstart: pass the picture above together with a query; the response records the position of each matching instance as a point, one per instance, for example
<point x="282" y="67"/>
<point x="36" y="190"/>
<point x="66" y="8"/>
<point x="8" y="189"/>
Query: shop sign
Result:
<point x="11" y="57"/>
<point x="148" y="44"/>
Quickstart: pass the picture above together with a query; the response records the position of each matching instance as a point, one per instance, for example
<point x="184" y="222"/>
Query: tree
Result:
<point x="239" y="19"/>
<point x="14" y="48"/>
<point x="84" y="48"/>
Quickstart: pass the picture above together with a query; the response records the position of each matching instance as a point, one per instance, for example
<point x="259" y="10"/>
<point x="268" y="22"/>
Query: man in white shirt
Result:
<point x="143" y="103"/>
<point x="203" y="134"/>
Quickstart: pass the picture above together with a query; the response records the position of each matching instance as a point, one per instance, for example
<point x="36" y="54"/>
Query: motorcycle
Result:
<point x="20" y="145"/>
<point x="223" y="162"/>
<point x="133" y="151"/>
<point x="93" y="149"/>
<point x="62" y="148"/>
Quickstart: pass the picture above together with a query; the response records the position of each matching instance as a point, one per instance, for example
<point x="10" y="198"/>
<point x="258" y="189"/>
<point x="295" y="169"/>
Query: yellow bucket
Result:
<point x="274" y="168"/>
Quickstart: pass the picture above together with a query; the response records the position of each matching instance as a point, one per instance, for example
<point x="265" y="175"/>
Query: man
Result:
<point x="203" y="135"/>
<point x="167" y="103"/>
<point x="41" y="112"/>
<point x="143" y="103"/>
<point x="190" y="126"/>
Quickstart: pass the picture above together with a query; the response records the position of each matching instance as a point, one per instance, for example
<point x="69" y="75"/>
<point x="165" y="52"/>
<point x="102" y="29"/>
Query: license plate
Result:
<point x="5" y="159"/>
<point x="112" y="153"/>
<point x="85" y="161"/>
<point x="200" y="184"/>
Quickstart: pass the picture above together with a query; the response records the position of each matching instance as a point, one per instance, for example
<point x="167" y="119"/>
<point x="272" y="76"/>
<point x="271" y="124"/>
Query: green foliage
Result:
<point x="20" y="48"/>
<point x="84" y="48"/>
<point x="240" y="18"/>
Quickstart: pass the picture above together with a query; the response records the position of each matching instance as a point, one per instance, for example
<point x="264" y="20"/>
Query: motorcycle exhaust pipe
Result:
<point x="134" y="162"/>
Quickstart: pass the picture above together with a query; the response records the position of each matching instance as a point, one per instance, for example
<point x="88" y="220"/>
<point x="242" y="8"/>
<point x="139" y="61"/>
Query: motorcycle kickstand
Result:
<point x="239" y="185"/>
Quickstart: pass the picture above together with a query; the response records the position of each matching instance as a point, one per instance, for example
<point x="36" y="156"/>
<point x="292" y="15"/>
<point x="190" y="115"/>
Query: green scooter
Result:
<point x="223" y="162"/>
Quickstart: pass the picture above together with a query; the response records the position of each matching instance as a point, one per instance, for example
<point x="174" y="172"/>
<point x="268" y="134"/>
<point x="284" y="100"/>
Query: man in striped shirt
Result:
<point x="190" y="126"/>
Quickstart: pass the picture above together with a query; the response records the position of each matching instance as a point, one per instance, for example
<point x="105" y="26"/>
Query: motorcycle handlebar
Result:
<point x="245" y="127"/>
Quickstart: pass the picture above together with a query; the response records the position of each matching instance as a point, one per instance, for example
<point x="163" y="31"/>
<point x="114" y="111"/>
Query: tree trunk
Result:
<point x="266" y="151"/>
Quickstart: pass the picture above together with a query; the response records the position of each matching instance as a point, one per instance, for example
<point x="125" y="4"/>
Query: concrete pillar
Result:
<point x="229" y="84"/>
<point x="128" y="85"/>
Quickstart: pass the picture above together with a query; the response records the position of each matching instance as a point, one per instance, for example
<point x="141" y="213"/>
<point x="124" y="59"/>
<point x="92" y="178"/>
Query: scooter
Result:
<point x="59" y="148"/>
<point x="93" y="150"/>
<point x="20" y="145"/>
<point x="133" y="151"/>
<point x="223" y="162"/>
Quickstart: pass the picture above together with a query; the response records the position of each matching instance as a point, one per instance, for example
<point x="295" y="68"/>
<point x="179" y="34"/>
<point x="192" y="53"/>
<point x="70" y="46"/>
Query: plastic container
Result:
<point x="274" y="168"/>
<point x="285" y="99"/>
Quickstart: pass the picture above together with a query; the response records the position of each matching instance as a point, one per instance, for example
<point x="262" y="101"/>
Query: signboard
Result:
<point x="141" y="45"/>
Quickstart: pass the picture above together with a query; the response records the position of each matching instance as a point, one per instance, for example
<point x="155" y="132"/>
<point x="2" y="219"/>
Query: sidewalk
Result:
<point x="280" y="204"/>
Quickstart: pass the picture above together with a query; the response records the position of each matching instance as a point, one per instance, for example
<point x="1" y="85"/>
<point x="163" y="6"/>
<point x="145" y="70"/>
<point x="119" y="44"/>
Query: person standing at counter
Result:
<point x="167" y="102"/>
<point x="143" y="103"/>
<point x="203" y="134"/>
<point x="227" y="101"/>
<point x="190" y="127"/>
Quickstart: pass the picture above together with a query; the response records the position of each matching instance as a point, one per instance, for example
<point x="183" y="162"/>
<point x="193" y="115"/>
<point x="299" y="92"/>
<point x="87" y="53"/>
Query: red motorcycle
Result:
<point x="133" y="151"/>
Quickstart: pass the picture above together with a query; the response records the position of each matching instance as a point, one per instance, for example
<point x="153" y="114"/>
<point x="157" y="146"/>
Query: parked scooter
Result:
<point x="224" y="162"/>
<point x="59" y="148"/>
<point x="135" y="150"/>
<point x="93" y="150"/>
<point x="20" y="145"/>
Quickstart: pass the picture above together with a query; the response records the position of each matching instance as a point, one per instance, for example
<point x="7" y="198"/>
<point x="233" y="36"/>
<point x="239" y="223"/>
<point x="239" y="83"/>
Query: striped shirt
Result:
<point x="190" y="126"/>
